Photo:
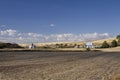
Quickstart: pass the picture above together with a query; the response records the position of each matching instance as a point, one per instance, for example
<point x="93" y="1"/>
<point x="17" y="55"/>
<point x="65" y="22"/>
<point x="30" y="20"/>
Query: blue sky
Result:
<point x="60" y="16"/>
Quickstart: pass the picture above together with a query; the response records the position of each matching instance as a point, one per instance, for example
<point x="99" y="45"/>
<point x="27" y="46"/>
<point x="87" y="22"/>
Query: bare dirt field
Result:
<point x="59" y="66"/>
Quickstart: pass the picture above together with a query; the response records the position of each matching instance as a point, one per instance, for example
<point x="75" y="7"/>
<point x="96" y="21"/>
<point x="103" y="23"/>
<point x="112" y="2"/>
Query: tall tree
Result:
<point x="114" y="43"/>
<point x="118" y="37"/>
<point x="105" y="45"/>
<point x="118" y="42"/>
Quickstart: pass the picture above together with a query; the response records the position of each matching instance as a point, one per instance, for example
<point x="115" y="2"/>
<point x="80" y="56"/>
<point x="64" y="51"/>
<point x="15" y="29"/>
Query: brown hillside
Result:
<point x="96" y="42"/>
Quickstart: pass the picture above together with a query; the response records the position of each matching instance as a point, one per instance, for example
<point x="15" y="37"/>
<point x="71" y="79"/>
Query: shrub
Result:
<point x="9" y="45"/>
<point x="114" y="43"/>
<point x="118" y="37"/>
<point x="118" y="42"/>
<point x="88" y="49"/>
<point x="105" y="45"/>
<point x="2" y="45"/>
<point x="63" y="45"/>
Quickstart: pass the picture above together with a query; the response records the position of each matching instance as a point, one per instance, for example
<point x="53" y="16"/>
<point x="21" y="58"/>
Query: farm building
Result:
<point x="32" y="46"/>
<point x="89" y="45"/>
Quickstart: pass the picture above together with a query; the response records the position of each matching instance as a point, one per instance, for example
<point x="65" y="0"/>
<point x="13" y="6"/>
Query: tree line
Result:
<point x="114" y="43"/>
<point x="9" y="45"/>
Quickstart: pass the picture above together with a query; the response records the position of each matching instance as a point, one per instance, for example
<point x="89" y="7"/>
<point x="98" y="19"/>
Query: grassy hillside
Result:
<point x="72" y="44"/>
<point x="99" y="42"/>
<point x="55" y="44"/>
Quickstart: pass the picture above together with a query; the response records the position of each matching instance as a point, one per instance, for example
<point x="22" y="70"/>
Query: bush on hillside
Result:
<point x="114" y="43"/>
<point x="9" y="45"/>
<point x="2" y="45"/>
<point x="64" y="46"/>
<point x="118" y="42"/>
<point x="118" y="37"/>
<point x="88" y="49"/>
<point x="105" y="45"/>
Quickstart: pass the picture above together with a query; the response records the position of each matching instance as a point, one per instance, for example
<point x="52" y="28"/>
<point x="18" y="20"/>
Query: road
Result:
<point x="59" y="65"/>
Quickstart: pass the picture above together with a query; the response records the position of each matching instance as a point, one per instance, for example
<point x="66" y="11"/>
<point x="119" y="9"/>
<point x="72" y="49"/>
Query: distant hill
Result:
<point x="99" y="42"/>
<point x="9" y="45"/>
<point x="96" y="42"/>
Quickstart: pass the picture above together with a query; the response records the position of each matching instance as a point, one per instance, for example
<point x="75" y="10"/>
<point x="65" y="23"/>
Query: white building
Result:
<point x="89" y="45"/>
<point x="32" y="46"/>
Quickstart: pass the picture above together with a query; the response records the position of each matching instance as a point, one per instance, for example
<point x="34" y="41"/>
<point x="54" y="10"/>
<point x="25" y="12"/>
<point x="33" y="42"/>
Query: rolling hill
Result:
<point x="96" y="42"/>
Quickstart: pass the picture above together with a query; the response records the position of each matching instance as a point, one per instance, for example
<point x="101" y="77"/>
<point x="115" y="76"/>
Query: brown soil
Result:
<point x="59" y="66"/>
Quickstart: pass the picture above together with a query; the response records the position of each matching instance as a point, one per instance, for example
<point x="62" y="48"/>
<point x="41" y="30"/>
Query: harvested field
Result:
<point x="59" y="66"/>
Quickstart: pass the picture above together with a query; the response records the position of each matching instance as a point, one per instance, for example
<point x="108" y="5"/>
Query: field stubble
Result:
<point x="59" y="66"/>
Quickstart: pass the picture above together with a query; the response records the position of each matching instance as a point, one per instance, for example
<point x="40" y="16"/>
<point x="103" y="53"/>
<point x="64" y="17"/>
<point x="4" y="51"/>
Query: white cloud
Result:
<point x="2" y="25"/>
<point x="8" y="32"/>
<point x="17" y="37"/>
<point x="52" y="25"/>
<point x="34" y="35"/>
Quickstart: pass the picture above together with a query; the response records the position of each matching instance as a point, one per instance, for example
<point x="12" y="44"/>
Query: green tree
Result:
<point x="61" y="45"/>
<point x="118" y="37"/>
<point x="2" y="45"/>
<point x="105" y="45"/>
<point x="9" y="45"/>
<point x="118" y="42"/>
<point x="114" y="43"/>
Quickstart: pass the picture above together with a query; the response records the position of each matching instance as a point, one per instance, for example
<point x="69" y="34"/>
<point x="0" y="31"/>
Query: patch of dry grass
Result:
<point x="115" y="49"/>
<point x="96" y="42"/>
<point x="99" y="42"/>
<point x="116" y="77"/>
<point x="59" y="66"/>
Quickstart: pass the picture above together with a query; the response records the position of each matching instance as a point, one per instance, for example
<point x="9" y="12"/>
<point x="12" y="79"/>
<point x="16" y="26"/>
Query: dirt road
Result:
<point x="59" y="65"/>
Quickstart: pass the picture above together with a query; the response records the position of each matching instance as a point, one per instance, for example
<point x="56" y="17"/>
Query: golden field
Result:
<point x="96" y="42"/>
<point x="81" y="44"/>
